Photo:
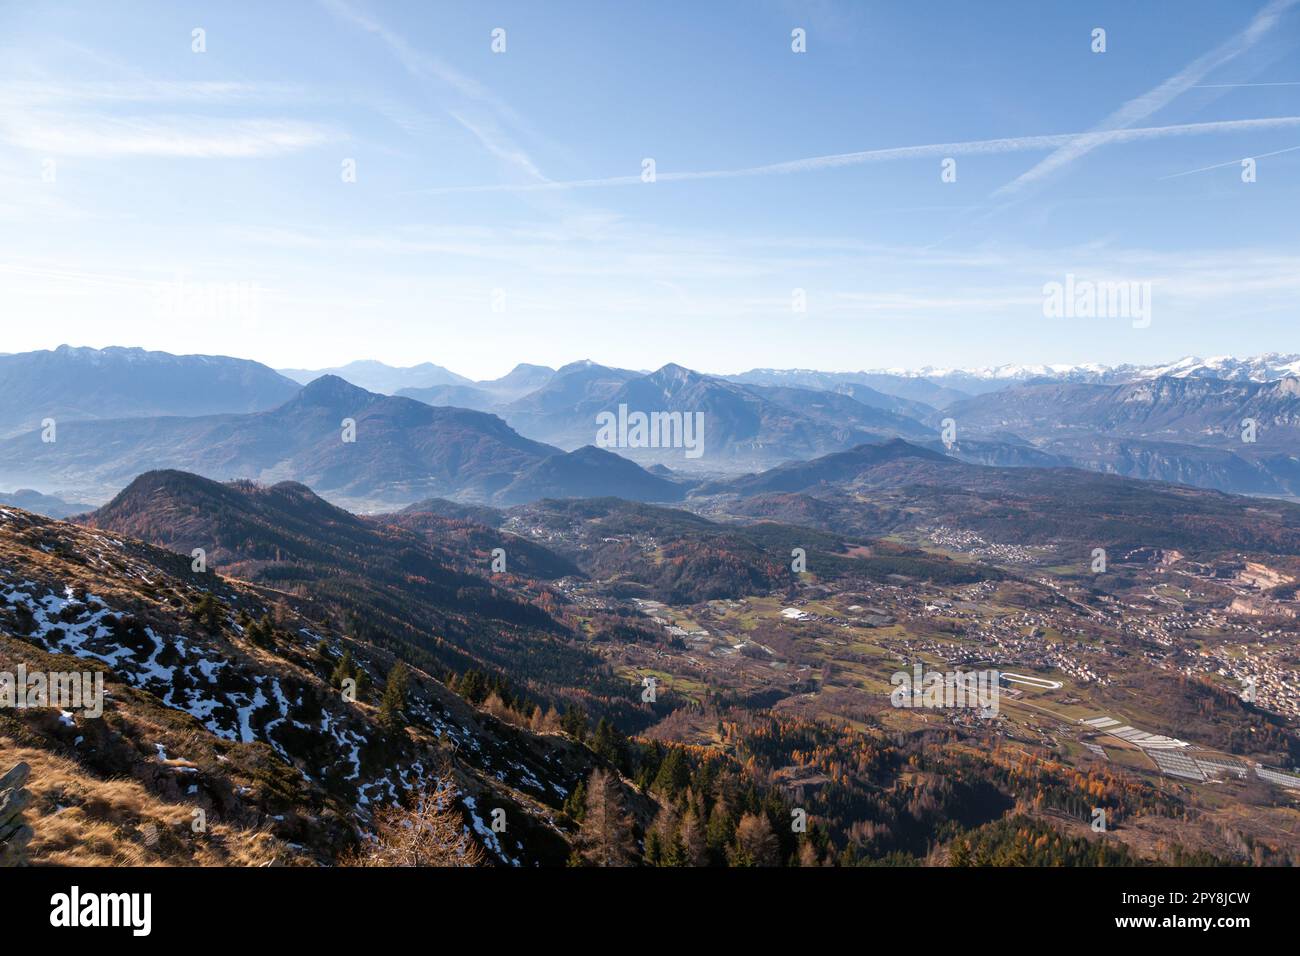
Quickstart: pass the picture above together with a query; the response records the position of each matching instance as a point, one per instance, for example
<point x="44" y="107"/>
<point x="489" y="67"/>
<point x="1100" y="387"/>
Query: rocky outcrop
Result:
<point x="14" y="832"/>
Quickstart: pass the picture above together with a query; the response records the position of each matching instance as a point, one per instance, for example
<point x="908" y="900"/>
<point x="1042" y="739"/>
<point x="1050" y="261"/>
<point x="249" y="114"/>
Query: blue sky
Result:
<point x="195" y="202"/>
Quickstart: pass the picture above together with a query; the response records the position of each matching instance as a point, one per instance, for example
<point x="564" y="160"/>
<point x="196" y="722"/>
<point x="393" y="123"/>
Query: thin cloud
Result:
<point x="26" y="93"/>
<point x="65" y="119"/>
<point x="188" y="137"/>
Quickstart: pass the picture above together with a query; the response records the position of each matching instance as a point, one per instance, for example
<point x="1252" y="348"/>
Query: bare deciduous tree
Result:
<point x="606" y="835"/>
<point x="431" y="833"/>
<point x="756" y="844"/>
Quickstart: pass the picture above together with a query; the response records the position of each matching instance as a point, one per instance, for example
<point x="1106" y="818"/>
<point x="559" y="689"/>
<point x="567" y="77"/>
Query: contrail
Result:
<point x="986" y="147"/>
<point x="1231" y="162"/>
<point x="1233" y="86"/>
<point x="1139" y="108"/>
<point x="425" y="67"/>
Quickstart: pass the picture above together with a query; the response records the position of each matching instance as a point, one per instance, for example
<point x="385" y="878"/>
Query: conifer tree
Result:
<point x="664" y="838"/>
<point x="432" y="833"/>
<point x="342" y="670"/>
<point x="609" y="744"/>
<point x="208" y="612"/>
<point x="574" y="723"/>
<point x="606" y="835"/>
<point x="674" y="773"/>
<point x="575" y="805"/>
<point x="720" y="830"/>
<point x="695" y="849"/>
<point x="807" y="855"/>
<point x="393" y="704"/>
<point x="756" y="844"/>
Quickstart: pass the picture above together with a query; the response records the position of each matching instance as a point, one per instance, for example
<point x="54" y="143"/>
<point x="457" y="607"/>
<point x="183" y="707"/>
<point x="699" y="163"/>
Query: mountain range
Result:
<point x="1191" y="410"/>
<point x="518" y="382"/>
<point x="940" y="386"/>
<point x="377" y="377"/>
<point x="48" y="505"/>
<point x="1261" y="368"/>
<point x="255" y="578"/>
<point x="393" y="452"/>
<point x="744" y="426"/>
<point x="76" y="384"/>
<point x="885" y="489"/>
<point x="1234" y="435"/>
<point x="1230" y="424"/>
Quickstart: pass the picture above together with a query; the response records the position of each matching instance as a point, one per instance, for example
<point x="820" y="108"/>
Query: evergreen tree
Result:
<point x="575" y="805"/>
<point x="393" y="704"/>
<point x="574" y="723"/>
<point x="649" y="757"/>
<point x="262" y="633"/>
<point x="473" y="686"/>
<point x="342" y="670"/>
<point x="208" y="612"/>
<point x="674" y="773"/>
<point x="609" y="744"/>
<point x="720" y="830"/>
<point x="654" y="849"/>
<point x="663" y="845"/>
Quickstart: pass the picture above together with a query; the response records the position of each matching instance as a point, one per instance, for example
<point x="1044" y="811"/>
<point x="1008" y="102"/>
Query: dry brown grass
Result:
<point x="80" y="820"/>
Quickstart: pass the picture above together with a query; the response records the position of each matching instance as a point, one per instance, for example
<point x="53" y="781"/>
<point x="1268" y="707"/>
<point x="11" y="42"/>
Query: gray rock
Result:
<point x="15" y="834"/>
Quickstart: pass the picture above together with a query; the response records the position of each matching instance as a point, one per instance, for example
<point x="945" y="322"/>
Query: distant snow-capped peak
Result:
<point x="1261" y="368"/>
